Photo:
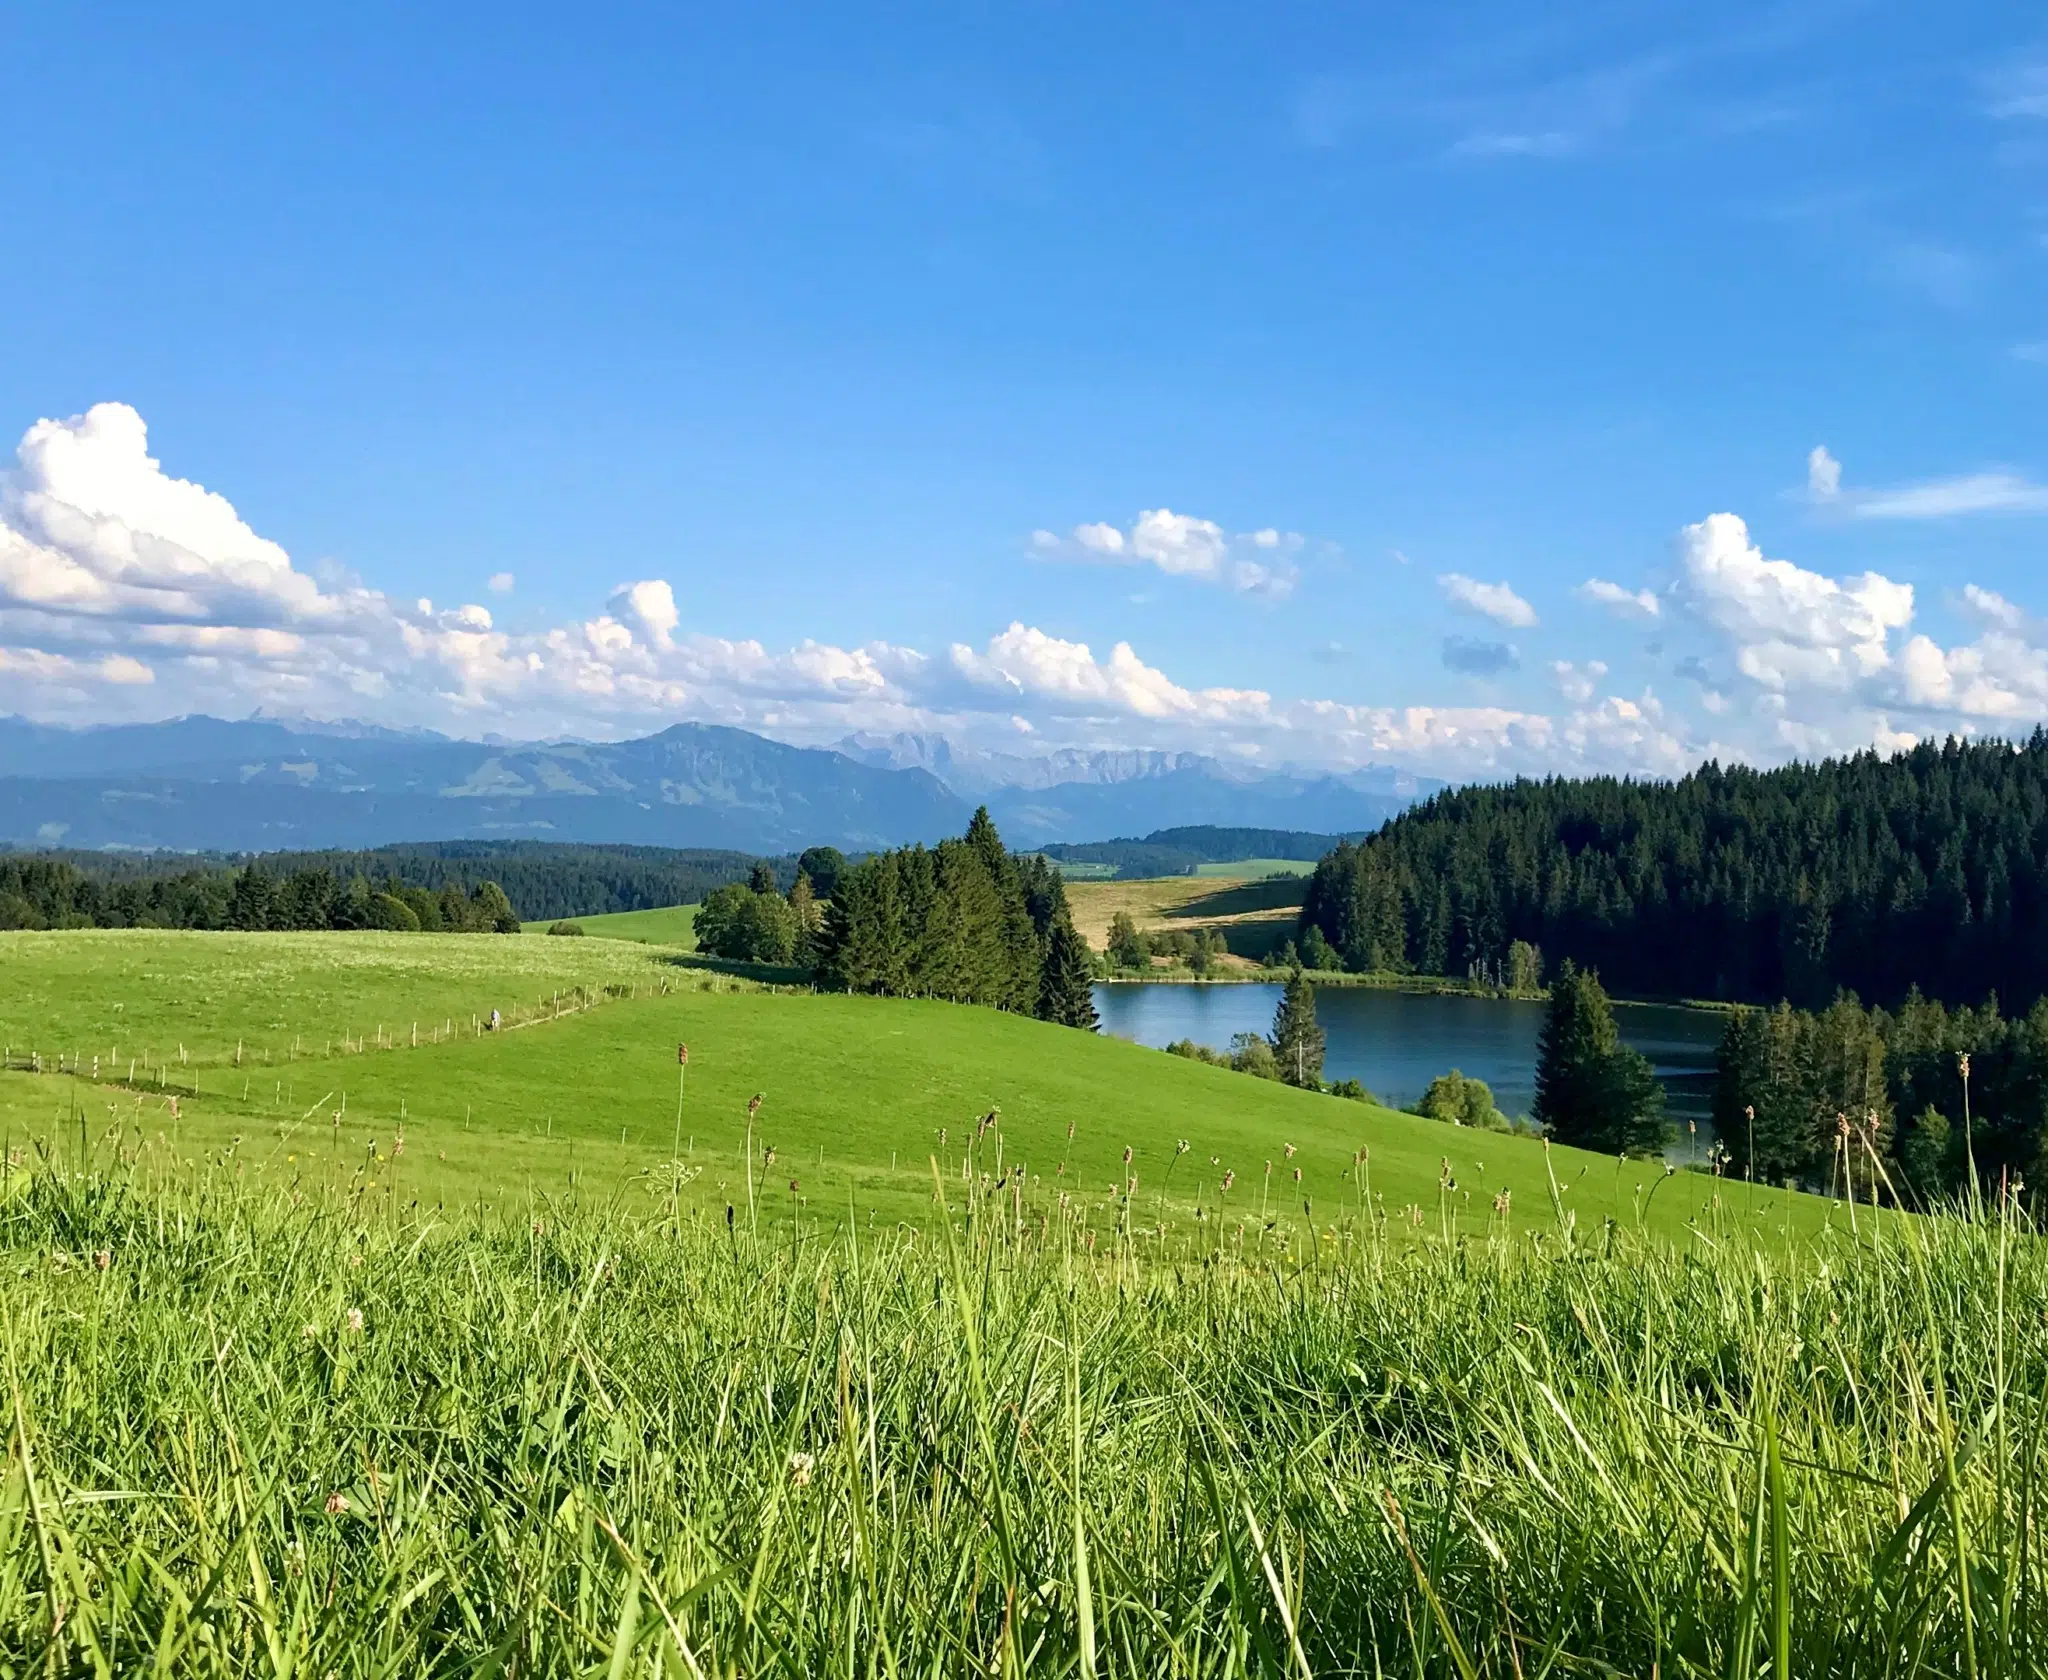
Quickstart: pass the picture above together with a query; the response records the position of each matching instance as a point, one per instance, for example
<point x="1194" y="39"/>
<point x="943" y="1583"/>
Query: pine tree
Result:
<point x="761" y="879"/>
<point x="1578" y="1041"/>
<point x="1297" y="1035"/>
<point x="1066" y="992"/>
<point x="864" y="947"/>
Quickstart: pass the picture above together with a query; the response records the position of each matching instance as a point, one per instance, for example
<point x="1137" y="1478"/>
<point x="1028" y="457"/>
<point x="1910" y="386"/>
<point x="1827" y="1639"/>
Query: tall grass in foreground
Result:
<point x="245" y="1436"/>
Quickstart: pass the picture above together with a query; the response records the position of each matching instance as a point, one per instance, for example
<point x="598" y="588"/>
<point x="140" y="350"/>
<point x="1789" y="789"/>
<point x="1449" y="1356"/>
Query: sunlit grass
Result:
<point x="253" y="1427"/>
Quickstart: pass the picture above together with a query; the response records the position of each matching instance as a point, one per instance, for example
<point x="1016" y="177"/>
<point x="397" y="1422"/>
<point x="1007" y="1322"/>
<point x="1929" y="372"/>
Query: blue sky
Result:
<point x="1267" y="381"/>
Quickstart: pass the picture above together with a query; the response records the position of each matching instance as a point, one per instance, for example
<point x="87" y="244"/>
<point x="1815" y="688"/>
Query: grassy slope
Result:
<point x="1254" y="914"/>
<point x="673" y="925"/>
<point x="868" y="1082"/>
<point x="141" y="993"/>
<point x="1253" y="869"/>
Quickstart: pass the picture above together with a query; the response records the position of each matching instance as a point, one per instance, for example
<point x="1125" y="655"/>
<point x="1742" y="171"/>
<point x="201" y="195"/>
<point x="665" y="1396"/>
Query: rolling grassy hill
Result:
<point x="673" y="925"/>
<point x="858" y="1093"/>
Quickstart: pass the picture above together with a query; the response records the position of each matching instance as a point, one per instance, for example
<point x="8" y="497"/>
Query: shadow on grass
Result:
<point x="1240" y="898"/>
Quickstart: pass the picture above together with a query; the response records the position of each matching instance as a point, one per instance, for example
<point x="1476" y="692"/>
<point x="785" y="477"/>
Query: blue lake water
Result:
<point x="1395" y="1043"/>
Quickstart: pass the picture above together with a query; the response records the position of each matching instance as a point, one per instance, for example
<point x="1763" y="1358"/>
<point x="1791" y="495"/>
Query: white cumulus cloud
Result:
<point x="1184" y="546"/>
<point x="1496" y="601"/>
<point x="1789" y="625"/>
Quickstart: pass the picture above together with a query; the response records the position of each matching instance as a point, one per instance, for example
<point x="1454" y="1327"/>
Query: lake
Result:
<point x="1395" y="1043"/>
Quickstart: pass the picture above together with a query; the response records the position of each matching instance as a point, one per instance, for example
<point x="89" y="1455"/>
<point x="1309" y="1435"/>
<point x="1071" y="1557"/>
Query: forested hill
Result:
<point x="1866" y="873"/>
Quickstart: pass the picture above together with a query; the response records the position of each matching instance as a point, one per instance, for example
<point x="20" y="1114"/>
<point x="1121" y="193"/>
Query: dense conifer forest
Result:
<point x="1866" y="874"/>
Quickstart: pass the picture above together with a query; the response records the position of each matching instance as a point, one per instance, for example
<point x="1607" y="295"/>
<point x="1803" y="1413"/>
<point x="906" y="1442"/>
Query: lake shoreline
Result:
<point x="1414" y="985"/>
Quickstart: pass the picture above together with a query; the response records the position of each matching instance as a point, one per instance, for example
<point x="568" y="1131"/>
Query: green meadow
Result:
<point x="673" y="924"/>
<point x="894" y="1337"/>
<point x="348" y="1043"/>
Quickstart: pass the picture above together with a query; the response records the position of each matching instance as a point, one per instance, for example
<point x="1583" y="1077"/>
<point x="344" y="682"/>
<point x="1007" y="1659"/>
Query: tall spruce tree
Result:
<point x="1298" y="1036"/>
<point x="1591" y="1089"/>
<point x="1066" y="991"/>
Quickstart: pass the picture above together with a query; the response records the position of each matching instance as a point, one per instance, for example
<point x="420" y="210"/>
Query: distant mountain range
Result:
<point x="205" y="784"/>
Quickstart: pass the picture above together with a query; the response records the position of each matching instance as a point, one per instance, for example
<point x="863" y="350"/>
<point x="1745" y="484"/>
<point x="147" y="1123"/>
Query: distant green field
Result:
<point x="858" y="1093"/>
<point x="673" y="925"/>
<point x="1254" y="869"/>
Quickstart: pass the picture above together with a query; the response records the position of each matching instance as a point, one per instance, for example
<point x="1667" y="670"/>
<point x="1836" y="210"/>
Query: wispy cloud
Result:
<point x="1624" y="602"/>
<point x="2019" y="91"/>
<point x="1939" y="498"/>
<point x="1550" y="143"/>
<point x="1938" y="273"/>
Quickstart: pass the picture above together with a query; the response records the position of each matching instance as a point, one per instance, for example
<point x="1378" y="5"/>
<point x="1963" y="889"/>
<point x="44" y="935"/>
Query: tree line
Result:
<point x="1873" y="874"/>
<point x="1179" y="851"/>
<point x="48" y="893"/>
<point x="1922" y="1100"/>
<point x="546" y="879"/>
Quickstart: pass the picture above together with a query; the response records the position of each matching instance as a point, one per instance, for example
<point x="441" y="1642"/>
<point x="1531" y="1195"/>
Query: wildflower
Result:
<point x="1290" y="1152"/>
<point x="792" y="1187"/>
<point x="1070" y="1131"/>
<point x="310" y="1332"/>
<point x="336" y="1504"/>
<point x="102" y="1259"/>
<point x="942" y="1137"/>
<point x="1127" y="1154"/>
<point x="1297" y="1175"/>
<point x="398" y="1146"/>
<point x="355" y="1260"/>
<point x="771" y="1157"/>
<point x="1131" y="1188"/>
<point x="1502" y="1202"/>
<point x="754" y="1104"/>
<point x="1230" y="1178"/>
<point x="1181" y="1148"/>
<point x="801" y="1464"/>
<point x="355" y="1320"/>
